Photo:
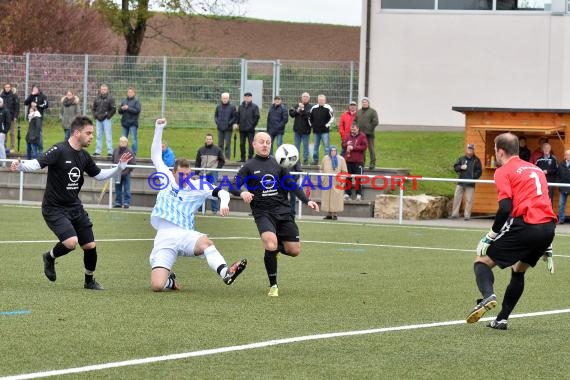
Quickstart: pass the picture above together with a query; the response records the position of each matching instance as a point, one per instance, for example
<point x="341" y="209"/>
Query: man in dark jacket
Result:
<point x="38" y="97"/>
<point x="225" y="117"/>
<point x="123" y="179"/>
<point x="301" y="126"/>
<point x="42" y="104"/>
<point x="5" y="120"/>
<point x="210" y="156"/>
<point x="12" y="104"/>
<point x="468" y="167"/>
<point x="247" y="118"/>
<point x="130" y="110"/>
<point x="564" y="177"/>
<point x="549" y="165"/>
<point x="103" y="110"/>
<point x="276" y="120"/>
<point x="321" y="117"/>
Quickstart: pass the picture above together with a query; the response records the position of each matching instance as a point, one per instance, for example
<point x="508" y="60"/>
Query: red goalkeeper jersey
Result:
<point x="526" y="185"/>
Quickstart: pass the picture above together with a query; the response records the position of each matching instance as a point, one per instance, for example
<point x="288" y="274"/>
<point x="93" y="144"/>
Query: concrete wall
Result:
<point x="423" y="63"/>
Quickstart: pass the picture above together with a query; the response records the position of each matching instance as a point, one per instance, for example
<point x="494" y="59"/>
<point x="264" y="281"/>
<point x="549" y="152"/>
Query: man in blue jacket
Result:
<point x="130" y="110"/>
<point x="277" y="118"/>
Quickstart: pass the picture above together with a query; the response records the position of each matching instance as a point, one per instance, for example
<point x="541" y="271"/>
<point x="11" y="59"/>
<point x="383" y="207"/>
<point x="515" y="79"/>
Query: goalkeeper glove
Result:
<point x="486" y="242"/>
<point x="549" y="260"/>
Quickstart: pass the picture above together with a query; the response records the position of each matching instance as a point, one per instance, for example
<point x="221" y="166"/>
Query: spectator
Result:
<point x="301" y="125"/>
<point x="468" y="167"/>
<point x="537" y="153"/>
<point x="12" y="104"/>
<point x="34" y="135"/>
<point x="225" y="118"/>
<point x="346" y="121"/>
<point x="41" y="101"/>
<point x="103" y="110"/>
<point x="367" y="120"/>
<point x="130" y="110"/>
<point x="210" y="156"/>
<point x="331" y="194"/>
<point x="321" y="117"/>
<point x="68" y="112"/>
<point x="524" y="152"/>
<point x="5" y="120"/>
<point x="549" y="166"/>
<point x="564" y="177"/>
<point x="276" y="120"/>
<point x="168" y="156"/>
<point x="247" y="118"/>
<point x="123" y="179"/>
<point x="355" y="146"/>
<point x="38" y="97"/>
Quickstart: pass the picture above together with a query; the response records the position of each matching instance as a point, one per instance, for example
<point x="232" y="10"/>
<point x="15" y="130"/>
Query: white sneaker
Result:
<point x="346" y="197"/>
<point x="359" y="197"/>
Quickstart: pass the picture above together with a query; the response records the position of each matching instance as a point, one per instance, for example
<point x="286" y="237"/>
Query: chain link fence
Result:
<point x="184" y="90"/>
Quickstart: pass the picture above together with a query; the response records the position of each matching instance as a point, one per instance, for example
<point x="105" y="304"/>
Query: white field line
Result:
<point x="251" y="346"/>
<point x="256" y="238"/>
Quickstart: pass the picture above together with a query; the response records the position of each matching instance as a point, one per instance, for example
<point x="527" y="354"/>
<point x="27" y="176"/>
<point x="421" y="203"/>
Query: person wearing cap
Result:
<point x="468" y="167"/>
<point x="346" y="120"/>
<point x="367" y="120"/>
<point x="277" y="118"/>
<point x="247" y="118"/>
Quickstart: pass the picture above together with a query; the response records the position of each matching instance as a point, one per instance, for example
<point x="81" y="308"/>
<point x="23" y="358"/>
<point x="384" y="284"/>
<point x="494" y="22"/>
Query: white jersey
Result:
<point x="174" y="204"/>
<point x="177" y="205"/>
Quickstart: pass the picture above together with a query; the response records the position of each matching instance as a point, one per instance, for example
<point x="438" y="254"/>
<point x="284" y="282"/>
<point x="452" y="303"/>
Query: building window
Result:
<point x="408" y="4"/>
<point x="485" y="5"/>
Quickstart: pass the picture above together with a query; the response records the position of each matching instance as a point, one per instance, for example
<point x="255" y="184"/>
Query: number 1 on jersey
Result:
<point x="536" y="182"/>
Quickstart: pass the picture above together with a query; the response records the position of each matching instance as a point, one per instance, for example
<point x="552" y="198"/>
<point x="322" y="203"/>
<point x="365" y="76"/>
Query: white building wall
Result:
<point x="423" y="63"/>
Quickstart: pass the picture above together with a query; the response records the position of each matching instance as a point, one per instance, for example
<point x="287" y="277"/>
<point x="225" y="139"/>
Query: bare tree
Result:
<point x="50" y="26"/>
<point x="130" y="19"/>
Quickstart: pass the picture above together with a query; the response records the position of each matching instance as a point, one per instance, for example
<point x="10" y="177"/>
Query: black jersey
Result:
<point x="268" y="182"/>
<point x="65" y="174"/>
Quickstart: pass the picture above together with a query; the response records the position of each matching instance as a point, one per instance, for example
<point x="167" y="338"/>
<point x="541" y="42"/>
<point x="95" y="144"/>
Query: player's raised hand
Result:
<point x="15" y="165"/>
<point x="125" y="158"/>
<point x="160" y="123"/>
<point x="314" y="205"/>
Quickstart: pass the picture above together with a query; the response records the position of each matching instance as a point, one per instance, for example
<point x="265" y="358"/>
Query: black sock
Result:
<point x="60" y="250"/>
<point x="270" y="260"/>
<point x="512" y="295"/>
<point x="484" y="278"/>
<point x="90" y="262"/>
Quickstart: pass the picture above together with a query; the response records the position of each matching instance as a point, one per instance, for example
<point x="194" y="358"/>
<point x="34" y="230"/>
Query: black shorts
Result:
<point x="519" y="241"/>
<point x="69" y="222"/>
<point x="283" y="226"/>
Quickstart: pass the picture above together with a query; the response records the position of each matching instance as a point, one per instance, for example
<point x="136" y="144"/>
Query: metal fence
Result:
<point x="185" y="90"/>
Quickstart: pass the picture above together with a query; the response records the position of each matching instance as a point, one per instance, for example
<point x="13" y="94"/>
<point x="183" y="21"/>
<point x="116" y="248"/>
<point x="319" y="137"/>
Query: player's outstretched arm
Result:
<point x="224" y="197"/>
<point x="24" y="166"/>
<point x="108" y="173"/>
<point x="156" y="147"/>
<point x="313" y="205"/>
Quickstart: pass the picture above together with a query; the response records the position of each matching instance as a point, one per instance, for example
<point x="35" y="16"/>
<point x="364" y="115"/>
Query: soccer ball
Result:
<point x="287" y="155"/>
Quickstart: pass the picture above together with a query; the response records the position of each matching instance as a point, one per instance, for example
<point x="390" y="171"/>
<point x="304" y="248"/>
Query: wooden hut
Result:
<point x="483" y="124"/>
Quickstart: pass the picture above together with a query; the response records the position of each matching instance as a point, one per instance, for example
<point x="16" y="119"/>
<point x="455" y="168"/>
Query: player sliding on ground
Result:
<point x="173" y="219"/>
